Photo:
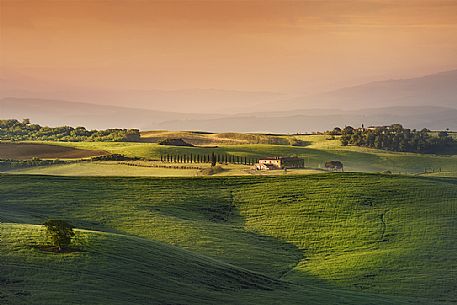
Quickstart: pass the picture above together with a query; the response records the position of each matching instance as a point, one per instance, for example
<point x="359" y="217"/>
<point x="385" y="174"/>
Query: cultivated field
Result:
<point x="22" y="151"/>
<point x="347" y="238"/>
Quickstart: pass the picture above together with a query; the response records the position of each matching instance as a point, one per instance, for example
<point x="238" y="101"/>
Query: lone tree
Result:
<point x="60" y="232"/>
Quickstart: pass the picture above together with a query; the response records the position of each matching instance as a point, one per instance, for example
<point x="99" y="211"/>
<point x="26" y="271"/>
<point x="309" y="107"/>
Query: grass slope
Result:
<point x="389" y="235"/>
<point x="116" y="269"/>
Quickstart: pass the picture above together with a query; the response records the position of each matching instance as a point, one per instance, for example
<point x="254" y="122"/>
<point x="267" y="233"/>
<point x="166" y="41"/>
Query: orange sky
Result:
<point x="299" y="46"/>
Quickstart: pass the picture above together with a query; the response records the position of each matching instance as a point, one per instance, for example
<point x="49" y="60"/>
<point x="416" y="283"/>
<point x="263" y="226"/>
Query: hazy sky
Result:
<point x="295" y="46"/>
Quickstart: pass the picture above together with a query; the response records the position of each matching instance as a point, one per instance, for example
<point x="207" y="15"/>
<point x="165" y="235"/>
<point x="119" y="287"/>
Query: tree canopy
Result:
<point x="25" y="131"/>
<point x="397" y="138"/>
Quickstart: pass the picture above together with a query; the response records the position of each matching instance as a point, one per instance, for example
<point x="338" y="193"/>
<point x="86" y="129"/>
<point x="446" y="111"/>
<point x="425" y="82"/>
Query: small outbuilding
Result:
<point x="334" y="165"/>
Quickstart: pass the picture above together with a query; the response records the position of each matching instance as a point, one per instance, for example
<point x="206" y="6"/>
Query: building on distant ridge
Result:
<point x="280" y="163"/>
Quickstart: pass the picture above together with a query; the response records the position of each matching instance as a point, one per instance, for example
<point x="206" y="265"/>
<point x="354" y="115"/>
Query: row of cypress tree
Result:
<point x="210" y="158"/>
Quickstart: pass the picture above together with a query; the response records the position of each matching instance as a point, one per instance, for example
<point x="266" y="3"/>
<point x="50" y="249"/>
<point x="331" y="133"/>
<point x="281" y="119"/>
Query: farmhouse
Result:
<point x="280" y="163"/>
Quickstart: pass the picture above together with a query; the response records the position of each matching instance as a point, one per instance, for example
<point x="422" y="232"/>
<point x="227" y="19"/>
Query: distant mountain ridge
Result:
<point x="429" y="101"/>
<point x="438" y="89"/>
<point x="180" y="100"/>
<point x="435" y="118"/>
<point x="57" y="113"/>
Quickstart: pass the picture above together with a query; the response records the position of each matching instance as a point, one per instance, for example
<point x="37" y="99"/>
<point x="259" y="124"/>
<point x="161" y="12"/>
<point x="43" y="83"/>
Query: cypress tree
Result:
<point x="213" y="160"/>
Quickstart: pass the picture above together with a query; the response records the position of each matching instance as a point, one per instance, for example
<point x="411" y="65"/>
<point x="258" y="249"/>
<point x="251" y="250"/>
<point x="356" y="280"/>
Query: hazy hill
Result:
<point x="183" y="100"/>
<point x="436" y="89"/>
<point x="59" y="112"/>
<point x="319" y="120"/>
<point x="405" y="101"/>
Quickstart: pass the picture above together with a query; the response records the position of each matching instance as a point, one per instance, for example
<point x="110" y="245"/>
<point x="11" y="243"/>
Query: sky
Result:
<point x="275" y="46"/>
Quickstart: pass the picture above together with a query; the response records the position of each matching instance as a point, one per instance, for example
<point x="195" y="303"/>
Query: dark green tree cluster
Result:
<point x="25" y="131"/>
<point x="397" y="138"/>
<point x="210" y="158"/>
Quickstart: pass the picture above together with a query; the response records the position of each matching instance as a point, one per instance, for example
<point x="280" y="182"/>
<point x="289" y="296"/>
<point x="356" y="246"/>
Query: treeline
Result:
<point x="114" y="157"/>
<point x="210" y="158"/>
<point x="14" y="130"/>
<point x="396" y="138"/>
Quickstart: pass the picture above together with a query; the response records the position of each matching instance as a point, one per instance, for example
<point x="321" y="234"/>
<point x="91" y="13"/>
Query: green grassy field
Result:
<point x="316" y="153"/>
<point x="320" y="239"/>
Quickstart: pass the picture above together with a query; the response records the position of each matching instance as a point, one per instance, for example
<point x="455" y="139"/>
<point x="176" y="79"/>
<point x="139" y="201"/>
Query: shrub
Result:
<point x="212" y="170"/>
<point x="60" y="233"/>
<point x="175" y="142"/>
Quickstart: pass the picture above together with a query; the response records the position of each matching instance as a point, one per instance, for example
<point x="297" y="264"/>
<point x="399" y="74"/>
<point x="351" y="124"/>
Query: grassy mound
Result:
<point x="114" y="269"/>
<point x="370" y="235"/>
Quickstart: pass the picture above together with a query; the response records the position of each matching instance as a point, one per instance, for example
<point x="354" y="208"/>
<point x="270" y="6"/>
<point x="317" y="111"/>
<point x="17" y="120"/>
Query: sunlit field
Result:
<point x="318" y="239"/>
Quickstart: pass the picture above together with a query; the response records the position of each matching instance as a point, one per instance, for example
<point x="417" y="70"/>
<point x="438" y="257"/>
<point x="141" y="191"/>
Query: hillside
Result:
<point x="111" y="263"/>
<point x="356" y="234"/>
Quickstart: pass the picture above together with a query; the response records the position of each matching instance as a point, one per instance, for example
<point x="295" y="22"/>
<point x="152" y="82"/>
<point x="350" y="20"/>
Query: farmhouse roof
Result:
<point x="281" y="158"/>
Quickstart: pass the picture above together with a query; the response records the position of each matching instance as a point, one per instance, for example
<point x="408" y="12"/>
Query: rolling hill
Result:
<point x="321" y="239"/>
<point x="92" y="116"/>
